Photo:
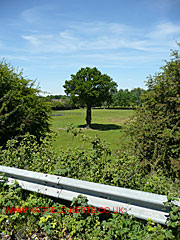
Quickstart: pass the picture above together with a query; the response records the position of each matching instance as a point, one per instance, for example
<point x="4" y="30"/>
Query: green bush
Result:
<point x="21" y="110"/>
<point x="156" y="125"/>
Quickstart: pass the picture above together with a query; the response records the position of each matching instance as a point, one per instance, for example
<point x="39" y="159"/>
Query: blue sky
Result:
<point x="52" y="39"/>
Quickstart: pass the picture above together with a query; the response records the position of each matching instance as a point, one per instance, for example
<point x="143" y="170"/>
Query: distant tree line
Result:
<point x="121" y="98"/>
<point x="57" y="97"/>
<point x="126" y="98"/>
<point x="59" y="102"/>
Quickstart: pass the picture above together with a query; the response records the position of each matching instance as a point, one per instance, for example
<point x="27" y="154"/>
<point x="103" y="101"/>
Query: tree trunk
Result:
<point x="88" y="117"/>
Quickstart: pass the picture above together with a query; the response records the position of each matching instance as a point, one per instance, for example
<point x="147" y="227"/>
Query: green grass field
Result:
<point x="106" y="124"/>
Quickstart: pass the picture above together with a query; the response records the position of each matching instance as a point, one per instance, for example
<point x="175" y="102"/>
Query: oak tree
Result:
<point x="89" y="87"/>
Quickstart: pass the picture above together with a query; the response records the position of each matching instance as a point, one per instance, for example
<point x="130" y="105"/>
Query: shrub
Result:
<point x="156" y="126"/>
<point x="21" y="110"/>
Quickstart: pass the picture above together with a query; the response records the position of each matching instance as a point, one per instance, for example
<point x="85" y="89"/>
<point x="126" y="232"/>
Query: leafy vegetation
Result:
<point x="49" y="98"/>
<point x="156" y="127"/>
<point x="29" y="154"/>
<point x="99" y="164"/>
<point x="58" y="102"/>
<point x="21" y="110"/>
<point x="90" y="88"/>
<point x="126" y="98"/>
<point x="74" y="225"/>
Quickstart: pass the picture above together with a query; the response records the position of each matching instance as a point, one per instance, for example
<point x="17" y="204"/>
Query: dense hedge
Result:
<point x="156" y="126"/>
<point x="21" y="110"/>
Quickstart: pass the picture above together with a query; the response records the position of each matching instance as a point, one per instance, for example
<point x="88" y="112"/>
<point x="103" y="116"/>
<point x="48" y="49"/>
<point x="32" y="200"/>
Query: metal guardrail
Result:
<point x="141" y="204"/>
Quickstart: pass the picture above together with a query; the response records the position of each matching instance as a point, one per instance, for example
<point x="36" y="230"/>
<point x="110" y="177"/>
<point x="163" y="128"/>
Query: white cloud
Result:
<point x="37" y="39"/>
<point x="165" y="30"/>
<point x="32" y="39"/>
<point x="36" y="14"/>
<point x="94" y="28"/>
<point x="106" y="42"/>
<point x="21" y="58"/>
<point x="87" y="36"/>
<point x="25" y="58"/>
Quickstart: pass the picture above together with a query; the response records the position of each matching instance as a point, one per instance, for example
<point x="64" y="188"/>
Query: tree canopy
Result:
<point x="21" y="110"/>
<point x="90" y="88"/>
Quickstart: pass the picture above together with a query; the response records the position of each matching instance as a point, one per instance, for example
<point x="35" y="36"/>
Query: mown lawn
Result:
<point x="106" y="124"/>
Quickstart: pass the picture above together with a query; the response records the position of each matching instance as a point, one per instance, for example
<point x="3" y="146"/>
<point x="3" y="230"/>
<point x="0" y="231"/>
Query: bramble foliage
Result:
<point x="21" y="110"/>
<point x="122" y="169"/>
<point x="30" y="154"/>
<point x="98" y="164"/>
<point x="68" y="225"/>
<point x="156" y="126"/>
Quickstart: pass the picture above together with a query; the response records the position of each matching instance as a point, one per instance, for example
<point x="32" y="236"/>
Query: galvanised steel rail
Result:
<point x="143" y="205"/>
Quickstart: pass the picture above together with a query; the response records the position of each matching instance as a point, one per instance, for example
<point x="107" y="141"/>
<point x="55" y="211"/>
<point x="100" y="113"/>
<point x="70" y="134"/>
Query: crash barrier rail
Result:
<point x="143" y="205"/>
